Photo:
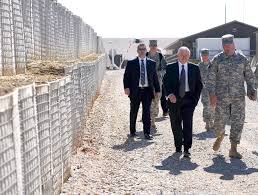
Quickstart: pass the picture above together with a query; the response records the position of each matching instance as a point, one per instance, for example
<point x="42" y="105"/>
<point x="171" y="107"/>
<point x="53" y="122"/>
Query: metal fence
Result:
<point x="44" y="30"/>
<point x="39" y="126"/>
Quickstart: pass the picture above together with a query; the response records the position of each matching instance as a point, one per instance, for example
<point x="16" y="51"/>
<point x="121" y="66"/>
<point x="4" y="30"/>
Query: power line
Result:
<point x="225" y="13"/>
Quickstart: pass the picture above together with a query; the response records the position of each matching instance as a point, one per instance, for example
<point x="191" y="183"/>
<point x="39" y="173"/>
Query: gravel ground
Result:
<point x="111" y="163"/>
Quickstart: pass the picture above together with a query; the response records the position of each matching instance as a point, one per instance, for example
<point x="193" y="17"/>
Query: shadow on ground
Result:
<point x="228" y="170"/>
<point x="134" y="143"/>
<point x="160" y="119"/>
<point x="176" y="165"/>
<point x="205" y="135"/>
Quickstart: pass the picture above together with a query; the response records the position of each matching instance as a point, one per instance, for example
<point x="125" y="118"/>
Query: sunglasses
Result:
<point x="142" y="49"/>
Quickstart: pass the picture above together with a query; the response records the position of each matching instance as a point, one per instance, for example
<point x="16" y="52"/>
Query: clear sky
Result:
<point x="160" y="18"/>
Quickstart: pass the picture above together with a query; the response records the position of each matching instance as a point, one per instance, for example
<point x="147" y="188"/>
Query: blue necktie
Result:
<point x="182" y="83"/>
<point x="142" y="73"/>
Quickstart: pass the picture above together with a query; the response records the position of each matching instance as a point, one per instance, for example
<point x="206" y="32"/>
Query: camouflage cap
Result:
<point x="205" y="51"/>
<point x="153" y="43"/>
<point x="227" y="39"/>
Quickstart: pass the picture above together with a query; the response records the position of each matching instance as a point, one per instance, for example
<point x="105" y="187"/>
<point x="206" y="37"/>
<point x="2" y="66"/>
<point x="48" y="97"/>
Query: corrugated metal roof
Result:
<point x="211" y="29"/>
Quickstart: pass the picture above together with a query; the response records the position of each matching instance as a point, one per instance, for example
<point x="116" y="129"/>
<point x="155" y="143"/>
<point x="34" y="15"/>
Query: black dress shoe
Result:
<point x="148" y="137"/>
<point x="178" y="150"/>
<point x="187" y="154"/>
<point x="133" y="134"/>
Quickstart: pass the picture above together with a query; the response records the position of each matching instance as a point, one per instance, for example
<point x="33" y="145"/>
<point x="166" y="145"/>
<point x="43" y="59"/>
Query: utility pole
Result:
<point x="243" y="11"/>
<point x="112" y="55"/>
<point x="225" y="13"/>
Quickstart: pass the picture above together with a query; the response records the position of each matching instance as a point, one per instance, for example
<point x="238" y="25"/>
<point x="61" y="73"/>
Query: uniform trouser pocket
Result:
<point x="233" y="109"/>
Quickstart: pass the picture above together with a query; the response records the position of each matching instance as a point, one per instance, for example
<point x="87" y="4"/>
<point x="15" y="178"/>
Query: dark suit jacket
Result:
<point x="132" y="77"/>
<point x="171" y="81"/>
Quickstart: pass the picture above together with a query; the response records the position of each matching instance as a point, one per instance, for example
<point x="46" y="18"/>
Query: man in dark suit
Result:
<point x="183" y="87"/>
<point x="141" y="84"/>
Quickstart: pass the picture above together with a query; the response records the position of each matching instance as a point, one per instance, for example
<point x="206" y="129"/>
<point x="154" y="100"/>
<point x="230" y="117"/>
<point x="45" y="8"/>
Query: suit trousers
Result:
<point x="181" y="118"/>
<point x="144" y="97"/>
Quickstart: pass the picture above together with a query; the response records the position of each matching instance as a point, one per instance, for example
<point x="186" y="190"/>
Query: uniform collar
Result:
<point x="153" y="55"/>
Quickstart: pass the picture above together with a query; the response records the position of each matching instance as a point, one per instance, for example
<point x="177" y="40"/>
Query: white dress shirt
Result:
<point x="146" y="76"/>
<point x="187" y="89"/>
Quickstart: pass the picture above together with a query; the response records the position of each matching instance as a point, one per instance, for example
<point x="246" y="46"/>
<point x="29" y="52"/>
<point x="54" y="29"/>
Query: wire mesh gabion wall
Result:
<point x="41" y="30"/>
<point x="39" y="128"/>
<point x="40" y="125"/>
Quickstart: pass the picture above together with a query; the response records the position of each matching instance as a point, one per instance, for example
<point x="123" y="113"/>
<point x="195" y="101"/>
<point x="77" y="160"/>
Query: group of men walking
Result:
<point x="148" y="79"/>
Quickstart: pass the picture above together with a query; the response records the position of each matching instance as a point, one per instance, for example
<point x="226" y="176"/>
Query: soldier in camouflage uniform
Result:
<point x="161" y="67"/>
<point x="208" y="111"/>
<point x="227" y="73"/>
<point x="256" y="74"/>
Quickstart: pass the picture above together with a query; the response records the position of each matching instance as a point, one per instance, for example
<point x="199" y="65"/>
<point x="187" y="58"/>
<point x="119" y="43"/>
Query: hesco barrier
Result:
<point x="40" y="126"/>
<point x="42" y="30"/>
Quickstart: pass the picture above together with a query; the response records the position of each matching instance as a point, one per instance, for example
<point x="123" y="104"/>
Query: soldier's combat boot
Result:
<point x="207" y="126"/>
<point x="218" y="141"/>
<point x="211" y="124"/>
<point x="233" y="152"/>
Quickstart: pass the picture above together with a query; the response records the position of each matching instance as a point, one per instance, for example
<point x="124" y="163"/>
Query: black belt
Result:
<point x="142" y="88"/>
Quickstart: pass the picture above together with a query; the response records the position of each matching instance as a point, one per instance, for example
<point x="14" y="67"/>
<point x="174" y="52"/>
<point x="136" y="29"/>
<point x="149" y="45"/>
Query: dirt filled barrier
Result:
<point x="42" y="30"/>
<point x="41" y="122"/>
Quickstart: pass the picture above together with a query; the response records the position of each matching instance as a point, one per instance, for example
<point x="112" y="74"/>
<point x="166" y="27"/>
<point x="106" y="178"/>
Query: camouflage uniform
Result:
<point x="161" y="67"/>
<point x="256" y="75"/>
<point x="226" y="80"/>
<point x="208" y="111"/>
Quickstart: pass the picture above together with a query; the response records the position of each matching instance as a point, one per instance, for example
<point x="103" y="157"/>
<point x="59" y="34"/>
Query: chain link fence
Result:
<point x="41" y="126"/>
<point x="41" y="30"/>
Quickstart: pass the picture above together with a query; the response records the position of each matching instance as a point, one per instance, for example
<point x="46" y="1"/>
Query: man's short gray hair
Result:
<point x="184" y="48"/>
